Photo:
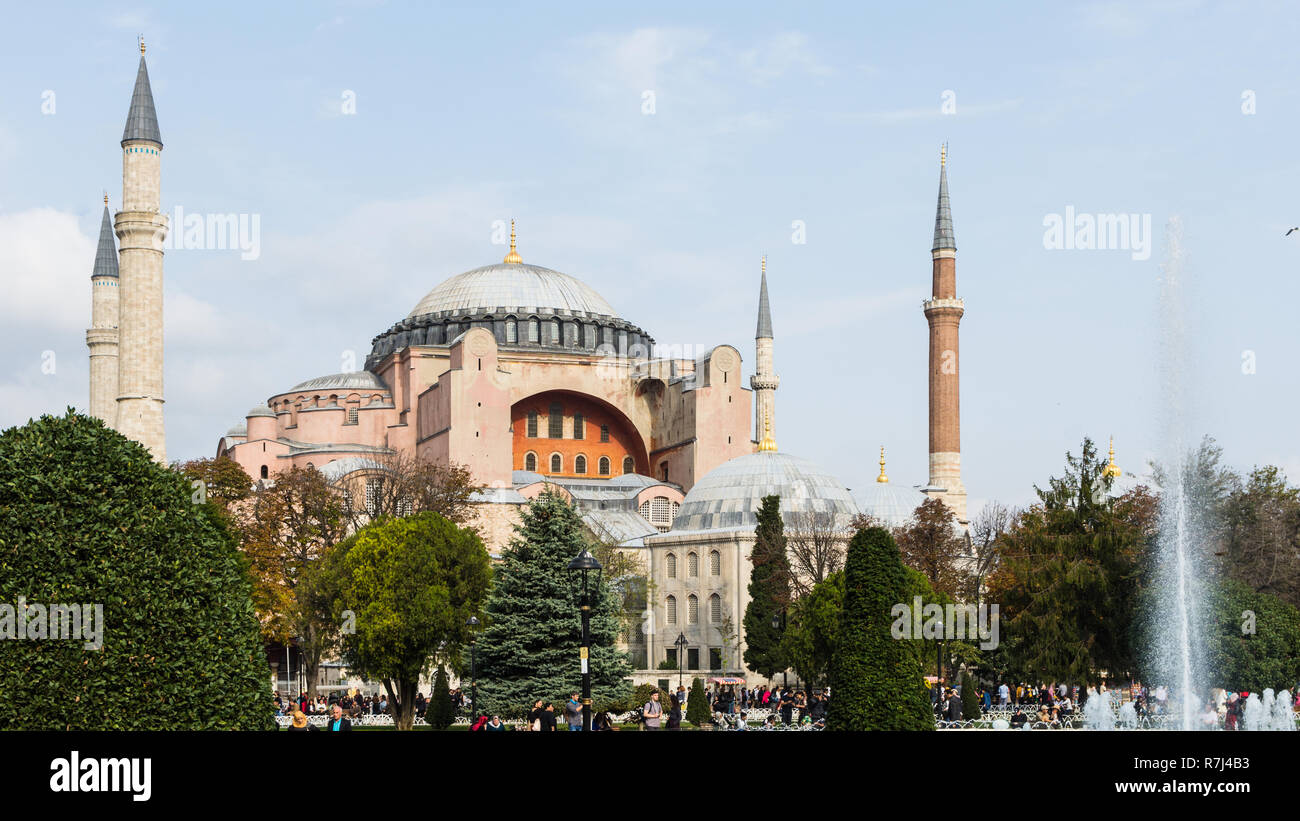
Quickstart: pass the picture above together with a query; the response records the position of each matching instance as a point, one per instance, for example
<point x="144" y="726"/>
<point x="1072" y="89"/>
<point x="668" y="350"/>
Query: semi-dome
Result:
<point x="514" y="286"/>
<point x="729" y="495"/>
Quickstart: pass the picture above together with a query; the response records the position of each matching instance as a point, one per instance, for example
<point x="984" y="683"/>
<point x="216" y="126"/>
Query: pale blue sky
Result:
<point x="764" y="114"/>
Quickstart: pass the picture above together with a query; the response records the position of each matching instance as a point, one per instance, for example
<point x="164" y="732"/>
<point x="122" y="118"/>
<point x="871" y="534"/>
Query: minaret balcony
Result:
<point x="944" y="306"/>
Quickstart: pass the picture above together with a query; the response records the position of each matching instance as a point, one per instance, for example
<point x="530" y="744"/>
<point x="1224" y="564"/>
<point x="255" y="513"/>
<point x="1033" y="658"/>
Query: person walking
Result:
<point x="653" y="712"/>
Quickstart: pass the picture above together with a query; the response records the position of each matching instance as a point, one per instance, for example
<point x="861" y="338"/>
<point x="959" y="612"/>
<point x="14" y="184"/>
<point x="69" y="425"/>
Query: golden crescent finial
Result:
<point x="764" y="263"/>
<point x="513" y="257"/>
<point x="142" y="44"/>
<point x="943" y="155"/>
<point x="882" y="478"/>
<point x="767" y="444"/>
<point x="106" y="198"/>
<point x="1112" y="470"/>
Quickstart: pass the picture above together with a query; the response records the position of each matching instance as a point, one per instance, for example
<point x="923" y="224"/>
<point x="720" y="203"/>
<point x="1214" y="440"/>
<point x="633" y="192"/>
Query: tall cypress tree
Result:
<point x="876" y="679"/>
<point x="529" y="649"/>
<point x="769" y="593"/>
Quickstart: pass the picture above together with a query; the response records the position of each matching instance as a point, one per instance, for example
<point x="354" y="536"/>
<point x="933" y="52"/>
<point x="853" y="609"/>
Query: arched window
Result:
<point x="580" y="464"/>
<point x="532" y="331"/>
<point x="530" y="461"/>
<point x="604" y="466"/>
<point x="556" y="463"/>
<point x="715" y="609"/>
<point x="671" y="607"/>
<point x="579" y="426"/>
<point x="532" y="424"/>
<point x="512" y="331"/>
<point x="555" y="332"/>
<point x="671" y="565"/>
<point x="715" y="563"/>
<point x="555" y="421"/>
<point x="629" y="464"/>
<point x="692" y="609"/>
<point x="693" y="565"/>
<point x="264" y="472"/>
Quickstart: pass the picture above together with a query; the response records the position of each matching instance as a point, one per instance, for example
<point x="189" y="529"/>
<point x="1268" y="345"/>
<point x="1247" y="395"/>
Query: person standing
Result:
<point x="1004" y="695"/>
<point x="535" y="716"/>
<point x="337" y="722"/>
<point x="653" y="712"/>
<point x="548" y="718"/>
<point x="573" y="713"/>
<point x="674" y="712"/>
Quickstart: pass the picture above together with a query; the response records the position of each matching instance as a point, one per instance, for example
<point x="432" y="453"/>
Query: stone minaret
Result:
<point x="141" y="230"/>
<point x="943" y="311"/>
<point x="101" y="336"/>
<point x="764" y="381"/>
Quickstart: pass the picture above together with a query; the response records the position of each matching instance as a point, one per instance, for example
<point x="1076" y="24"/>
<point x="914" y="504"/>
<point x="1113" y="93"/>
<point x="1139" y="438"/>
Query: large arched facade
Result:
<point x="587" y="437"/>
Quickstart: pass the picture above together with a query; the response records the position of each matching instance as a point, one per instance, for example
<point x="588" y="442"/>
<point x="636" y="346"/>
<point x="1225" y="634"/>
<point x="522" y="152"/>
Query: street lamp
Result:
<point x="473" y="667"/>
<point x="581" y="569"/>
<point x="681" y="652"/>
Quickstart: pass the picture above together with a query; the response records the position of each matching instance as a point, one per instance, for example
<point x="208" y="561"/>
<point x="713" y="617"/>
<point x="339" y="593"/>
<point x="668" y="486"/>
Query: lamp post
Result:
<point x="473" y="668"/>
<point x="680" y="644"/>
<point x="778" y="622"/>
<point x="581" y="569"/>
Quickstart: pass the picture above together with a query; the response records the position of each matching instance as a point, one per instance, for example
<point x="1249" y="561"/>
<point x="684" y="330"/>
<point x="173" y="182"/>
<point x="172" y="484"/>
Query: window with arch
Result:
<point x="589" y="336"/>
<point x="671" y="606"/>
<point x="629" y="464"/>
<point x="692" y="609"/>
<point x="532" y="424"/>
<point x="579" y="426"/>
<point x="604" y="466"/>
<point x="512" y="331"/>
<point x="715" y="563"/>
<point x="580" y="464"/>
<point x="670" y="565"/>
<point x="693" y="565"/>
<point x="264" y="472"/>
<point x="555" y="421"/>
<point x="556" y="463"/>
<point x="530" y="461"/>
<point x="715" y="609"/>
<point x="532" y="330"/>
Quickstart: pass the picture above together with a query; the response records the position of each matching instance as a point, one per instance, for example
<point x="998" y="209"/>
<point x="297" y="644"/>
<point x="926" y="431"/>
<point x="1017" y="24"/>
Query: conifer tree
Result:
<point x="529" y="648"/>
<point x="970" y="700"/>
<point x="697" y="705"/>
<point x="876" y="679"/>
<point x="766" y="616"/>
<point x="439" y="710"/>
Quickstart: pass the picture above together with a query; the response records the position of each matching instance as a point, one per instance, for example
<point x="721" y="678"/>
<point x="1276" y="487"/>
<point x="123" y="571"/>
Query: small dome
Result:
<point x="513" y="286"/>
<point x="729" y="495"/>
<point x="352" y="380"/>
<point x="890" y="503"/>
<point x="260" y="410"/>
<point x="238" y="430"/>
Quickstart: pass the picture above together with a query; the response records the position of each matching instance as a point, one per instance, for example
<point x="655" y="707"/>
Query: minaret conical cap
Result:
<point x="106" y="253"/>
<point x="943" y="236"/>
<point x="764" y="309"/>
<point x="141" y="119"/>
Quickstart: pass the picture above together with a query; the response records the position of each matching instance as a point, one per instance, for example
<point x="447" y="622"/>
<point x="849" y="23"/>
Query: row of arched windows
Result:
<point x="693" y="564"/>
<point x="555" y="424"/>
<point x="580" y="464"/>
<point x="693" y="609"/>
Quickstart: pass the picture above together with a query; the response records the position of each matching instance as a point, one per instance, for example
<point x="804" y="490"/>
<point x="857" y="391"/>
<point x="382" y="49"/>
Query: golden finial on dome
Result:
<point x="142" y="44"/>
<point x="513" y="257"/>
<point x="1112" y="470"/>
<point x="764" y="263"/>
<point x="106" y="198"/>
<point x="882" y="478"/>
<point x="767" y="443"/>
<point x="943" y="155"/>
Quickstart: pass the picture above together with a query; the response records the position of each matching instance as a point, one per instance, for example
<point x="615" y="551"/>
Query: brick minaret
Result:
<point x="101" y="336"/>
<point x="764" y="382"/>
<point x="141" y="230"/>
<point x="943" y="311"/>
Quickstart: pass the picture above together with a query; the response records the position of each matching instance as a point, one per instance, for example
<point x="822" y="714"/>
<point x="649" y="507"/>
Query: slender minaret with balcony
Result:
<point x="764" y="382"/>
<point x="141" y="229"/>
<point x="101" y="336"/>
<point x="943" y="312"/>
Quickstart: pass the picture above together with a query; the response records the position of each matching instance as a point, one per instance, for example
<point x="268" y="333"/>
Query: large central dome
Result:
<point x="514" y="286"/>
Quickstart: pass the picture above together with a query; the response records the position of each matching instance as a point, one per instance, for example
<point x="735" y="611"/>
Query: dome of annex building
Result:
<point x="349" y="380"/>
<point x="516" y="286"/>
<point x="729" y="496"/>
<point x="889" y="503"/>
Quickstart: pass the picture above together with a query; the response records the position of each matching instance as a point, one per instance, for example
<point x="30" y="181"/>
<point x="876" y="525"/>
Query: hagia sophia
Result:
<point x="531" y="379"/>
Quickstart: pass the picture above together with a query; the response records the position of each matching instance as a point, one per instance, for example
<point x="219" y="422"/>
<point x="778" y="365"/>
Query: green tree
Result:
<point x="970" y="700"/>
<point x="809" y="640"/>
<point x="1072" y="570"/>
<point x="766" y="616"/>
<point x="1253" y="640"/>
<point x="411" y="584"/>
<point x="87" y="518"/>
<point x="698" y="711"/>
<point x="439" y="711"/>
<point x="876" y="681"/>
<point x="529" y="649"/>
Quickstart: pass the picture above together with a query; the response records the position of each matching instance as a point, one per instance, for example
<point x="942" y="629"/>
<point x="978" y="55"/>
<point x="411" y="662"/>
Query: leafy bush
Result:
<point x="87" y="517"/>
